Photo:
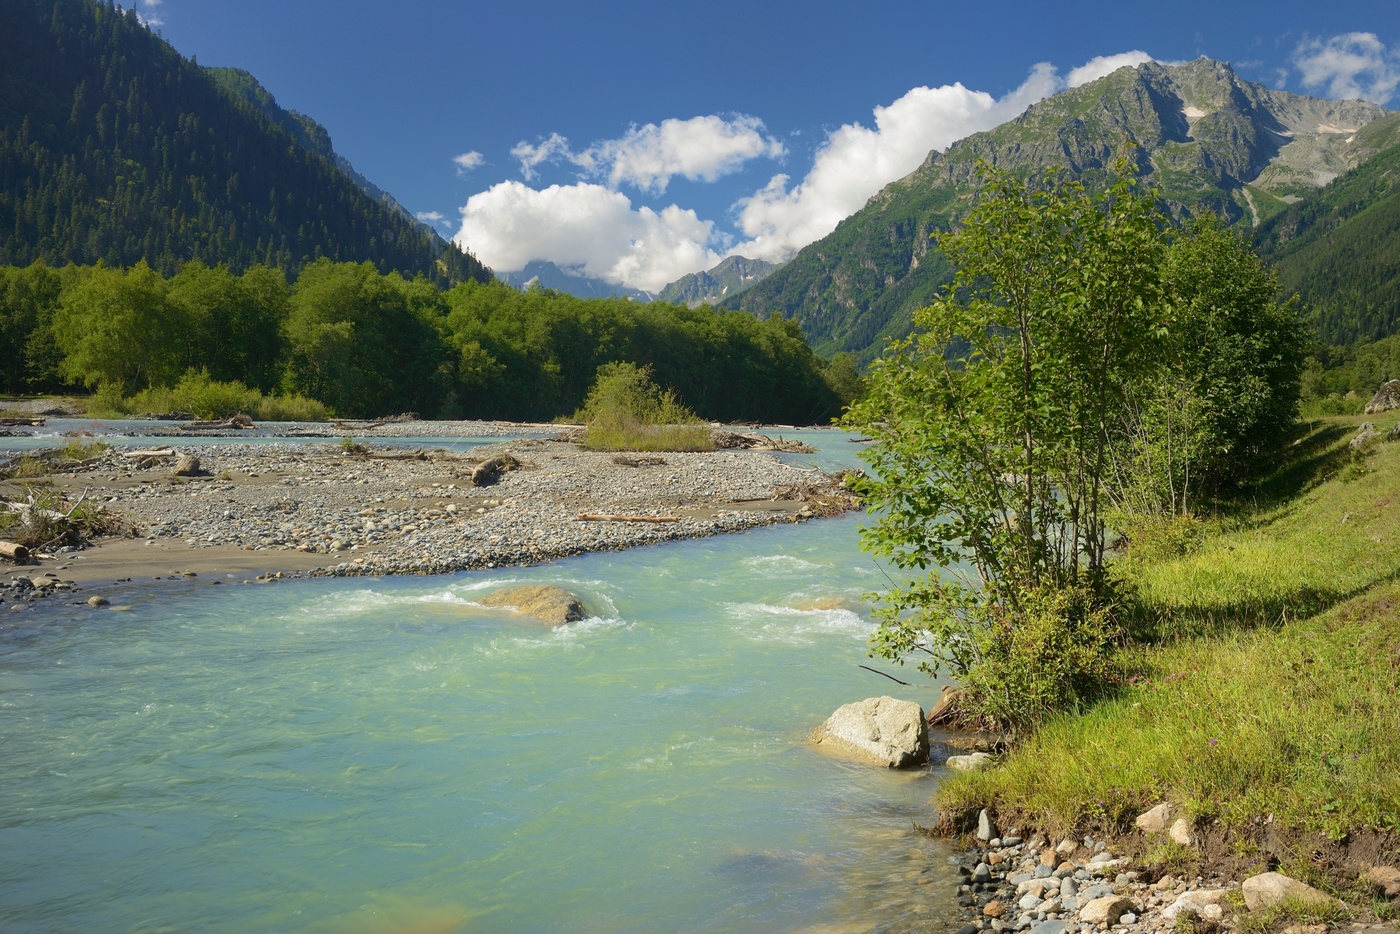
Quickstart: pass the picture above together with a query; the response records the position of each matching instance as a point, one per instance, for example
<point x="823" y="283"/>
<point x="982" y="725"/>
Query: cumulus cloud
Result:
<point x="1352" y="65"/>
<point x="649" y="156"/>
<point x="596" y="229"/>
<point x="588" y="227"/>
<point x="431" y="217"/>
<point x="857" y="161"/>
<point x="1096" y="68"/>
<point x="468" y="161"/>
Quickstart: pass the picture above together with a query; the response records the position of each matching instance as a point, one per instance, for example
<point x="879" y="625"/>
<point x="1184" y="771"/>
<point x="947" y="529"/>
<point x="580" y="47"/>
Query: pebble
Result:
<point x="413" y="516"/>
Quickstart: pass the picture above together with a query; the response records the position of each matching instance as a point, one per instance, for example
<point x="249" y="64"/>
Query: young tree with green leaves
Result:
<point x="993" y="429"/>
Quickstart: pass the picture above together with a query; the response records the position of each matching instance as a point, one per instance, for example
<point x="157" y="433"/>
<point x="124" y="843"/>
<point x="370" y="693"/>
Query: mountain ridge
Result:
<point x="1207" y="139"/>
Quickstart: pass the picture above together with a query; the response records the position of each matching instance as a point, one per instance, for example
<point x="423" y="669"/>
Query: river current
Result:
<point x="384" y="755"/>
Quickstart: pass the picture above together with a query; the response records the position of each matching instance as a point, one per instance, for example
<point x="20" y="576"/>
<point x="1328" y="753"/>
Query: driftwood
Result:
<point x="489" y="471"/>
<point x="149" y="452"/>
<point x="10" y="422"/>
<point x="729" y="440"/>
<point x="609" y="517"/>
<point x="15" y="552"/>
<point x="239" y="421"/>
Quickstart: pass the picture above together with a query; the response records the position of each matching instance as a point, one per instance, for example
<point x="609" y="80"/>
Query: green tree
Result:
<point x="993" y="426"/>
<point x="1228" y="394"/>
<point x="120" y="328"/>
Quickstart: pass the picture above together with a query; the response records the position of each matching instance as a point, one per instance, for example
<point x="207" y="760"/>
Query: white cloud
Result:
<point x="585" y="226"/>
<point x="1096" y="68"/>
<point x="596" y="229"/>
<point x="431" y="217"/>
<point x="856" y="161"/>
<point x="468" y="161"/>
<point x="1352" y="65"/>
<point x="649" y="156"/>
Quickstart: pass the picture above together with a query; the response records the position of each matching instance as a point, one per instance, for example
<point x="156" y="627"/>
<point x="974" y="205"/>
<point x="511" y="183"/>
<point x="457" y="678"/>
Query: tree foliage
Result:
<point x="1000" y="426"/>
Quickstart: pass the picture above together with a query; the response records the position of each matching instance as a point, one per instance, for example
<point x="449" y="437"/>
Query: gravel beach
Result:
<point x="330" y="509"/>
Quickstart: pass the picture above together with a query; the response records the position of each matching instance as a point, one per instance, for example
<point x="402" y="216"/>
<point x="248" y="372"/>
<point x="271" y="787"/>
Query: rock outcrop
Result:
<point x="1385" y="399"/>
<point x="878" y="730"/>
<point x="544" y="602"/>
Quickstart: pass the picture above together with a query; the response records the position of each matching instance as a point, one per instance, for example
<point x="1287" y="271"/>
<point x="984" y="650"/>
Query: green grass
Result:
<point x="1270" y="689"/>
<point x="631" y="435"/>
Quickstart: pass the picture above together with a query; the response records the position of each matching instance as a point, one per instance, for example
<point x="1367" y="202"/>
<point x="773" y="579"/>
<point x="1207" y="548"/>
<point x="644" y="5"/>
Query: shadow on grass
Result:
<point x="1149" y="624"/>
<point x="1316" y="454"/>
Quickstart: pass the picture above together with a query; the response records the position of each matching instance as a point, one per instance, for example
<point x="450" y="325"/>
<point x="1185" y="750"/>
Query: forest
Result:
<point x="366" y="343"/>
<point x="115" y="148"/>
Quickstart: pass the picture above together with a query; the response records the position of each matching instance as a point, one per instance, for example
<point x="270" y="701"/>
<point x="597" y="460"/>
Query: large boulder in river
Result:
<point x="545" y="602"/>
<point x="1385" y="399"/>
<point x="879" y="730"/>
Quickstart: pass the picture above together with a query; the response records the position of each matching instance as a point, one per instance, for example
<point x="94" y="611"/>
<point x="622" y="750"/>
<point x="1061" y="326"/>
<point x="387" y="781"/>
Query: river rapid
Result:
<point x="386" y="755"/>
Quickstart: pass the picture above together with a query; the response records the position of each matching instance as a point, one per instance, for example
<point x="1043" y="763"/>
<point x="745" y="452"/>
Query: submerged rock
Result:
<point x="878" y="730"/>
<point x="545" y="602"/>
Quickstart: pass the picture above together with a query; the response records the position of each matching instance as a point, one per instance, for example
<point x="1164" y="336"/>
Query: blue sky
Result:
<point x="641" y="141"/>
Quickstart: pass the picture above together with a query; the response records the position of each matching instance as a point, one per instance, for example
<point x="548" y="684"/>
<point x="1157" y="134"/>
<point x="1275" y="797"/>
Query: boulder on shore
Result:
<point x="544" y="602"/>
<point x="1271" y="888"/>
<point x="1385" y="399"/>
<point x="879" y="730"/>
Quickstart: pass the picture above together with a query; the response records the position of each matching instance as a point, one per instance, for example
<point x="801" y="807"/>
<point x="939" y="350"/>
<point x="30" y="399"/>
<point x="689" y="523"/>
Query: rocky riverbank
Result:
<point x="1086" y="886"/>
<point x="347" y="509"/>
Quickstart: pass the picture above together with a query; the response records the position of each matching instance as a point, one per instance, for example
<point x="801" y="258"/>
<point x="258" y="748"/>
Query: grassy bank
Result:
<point x="1264" y="699"/>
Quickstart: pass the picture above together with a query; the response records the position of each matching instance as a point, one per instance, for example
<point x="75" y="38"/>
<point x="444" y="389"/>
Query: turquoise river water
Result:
<point x="383" y="755"/>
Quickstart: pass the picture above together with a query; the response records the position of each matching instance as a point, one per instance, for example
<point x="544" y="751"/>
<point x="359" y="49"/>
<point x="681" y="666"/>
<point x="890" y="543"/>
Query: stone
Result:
<point x="98" y="601"/>
<point x="986" y="830"/>
<point x="993" y="909"/>
<point x="1155" y="820"/>
<point x="973" y="762"/>
<point x="1106" y="910"/>
<point x="1068" y="887"/>
<point x="1127" y="918"/>
<point x="881" y="731"/>
<point x="1363" y="440"/>
<point x="1386" y="879"/>
<point x="1181" y="832"/>
<point x="549" y="604"/>
<point x="1270" y="888"/>
<point x="982" y="873"/>
<point x="1385" y="399"/>
<point x="186" y="465"/>
<point x="1050" y="927"/>
<point x="1066" y="847"/>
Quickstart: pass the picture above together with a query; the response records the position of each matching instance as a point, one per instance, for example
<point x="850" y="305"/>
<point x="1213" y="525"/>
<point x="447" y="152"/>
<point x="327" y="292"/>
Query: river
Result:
<point x="384" y="755"/>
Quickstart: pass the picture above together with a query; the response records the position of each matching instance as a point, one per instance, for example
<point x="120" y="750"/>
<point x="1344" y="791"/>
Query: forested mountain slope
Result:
<point x="114" y="147"/>
<point x="1207" y="139"/>
<point x="1339" y="250"/>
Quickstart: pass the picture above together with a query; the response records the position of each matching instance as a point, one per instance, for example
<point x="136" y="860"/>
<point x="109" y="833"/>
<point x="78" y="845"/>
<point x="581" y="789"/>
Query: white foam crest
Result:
<point x="792" y="625"/>
<point x="780" y="563"/>
<point x="568" y="637"/>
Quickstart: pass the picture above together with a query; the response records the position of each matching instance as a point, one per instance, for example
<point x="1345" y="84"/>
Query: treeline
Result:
<point x="366" y="343"/>
<point x="115" y="148"/>
<point x="1340" y="380"/>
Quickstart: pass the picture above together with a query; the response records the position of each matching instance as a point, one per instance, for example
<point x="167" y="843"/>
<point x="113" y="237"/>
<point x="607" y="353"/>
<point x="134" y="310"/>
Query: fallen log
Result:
<point x="234" y="422"/>
<point x="10" y="422"/>
<point x="150" y="452"/>
<point x="609" y="517"/>
<point x="489" y="471"/>
<point x="15" y="552"/>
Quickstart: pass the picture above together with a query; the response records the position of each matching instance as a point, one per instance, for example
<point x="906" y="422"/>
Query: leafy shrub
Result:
<point x="1055" y="652"/>
<point x="204" y="397"/>
<point x="626" y="411"/>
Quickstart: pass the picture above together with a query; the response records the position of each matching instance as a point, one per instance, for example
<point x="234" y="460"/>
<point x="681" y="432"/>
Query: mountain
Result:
<point x="243" y="86"/>
<point x="732" y="276"/>
<point x="1207" y="139"/>
<point x="114" y="147"/>
<point x="551" y="276"/>
<point x="1339" y="250"/>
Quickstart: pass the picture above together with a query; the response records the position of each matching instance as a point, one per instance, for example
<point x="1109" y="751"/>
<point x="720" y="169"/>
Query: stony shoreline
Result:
<point x="1081" y="886"/>
<point x="344" y="509"/>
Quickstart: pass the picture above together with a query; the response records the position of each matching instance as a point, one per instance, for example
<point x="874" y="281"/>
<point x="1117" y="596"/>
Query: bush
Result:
<point x="1055" y="653"/>
<point x="626" y="411"/>
<point x="208" y="398"/>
